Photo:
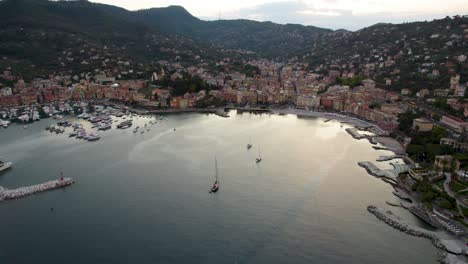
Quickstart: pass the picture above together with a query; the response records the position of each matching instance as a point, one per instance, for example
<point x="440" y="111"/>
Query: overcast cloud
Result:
<point x="334" y="14"/>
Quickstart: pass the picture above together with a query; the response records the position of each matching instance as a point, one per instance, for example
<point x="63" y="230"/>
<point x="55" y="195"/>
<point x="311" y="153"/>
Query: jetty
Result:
<point x="401" y="194"/>
<point x="439" y="240"/>
<point x="355" y="133"/>
<point x="10" y="194"/>
<point x="381" y="148"/>
<point x="392" y="157"/>
<point x="388" y="175"/>
<point x="393" y="204"/>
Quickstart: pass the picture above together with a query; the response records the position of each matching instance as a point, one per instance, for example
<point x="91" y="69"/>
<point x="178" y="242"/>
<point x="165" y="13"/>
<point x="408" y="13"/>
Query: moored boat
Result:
<point x="5" y="165"/>
<point x="93" y="137"/>
<point x="259" y="158"/>
<point x="215" y="186"/>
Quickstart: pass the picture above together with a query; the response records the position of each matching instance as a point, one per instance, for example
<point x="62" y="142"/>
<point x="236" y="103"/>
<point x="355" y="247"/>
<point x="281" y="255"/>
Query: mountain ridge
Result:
<point x="49" y="28"/>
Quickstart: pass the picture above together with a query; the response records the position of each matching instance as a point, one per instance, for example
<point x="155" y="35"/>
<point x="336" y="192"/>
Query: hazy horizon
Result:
<point x="332" y="14"/>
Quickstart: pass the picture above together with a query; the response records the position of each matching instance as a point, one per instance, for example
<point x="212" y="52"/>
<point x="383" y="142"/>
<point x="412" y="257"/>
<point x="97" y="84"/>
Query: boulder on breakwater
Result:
<point x="404" y="227"/>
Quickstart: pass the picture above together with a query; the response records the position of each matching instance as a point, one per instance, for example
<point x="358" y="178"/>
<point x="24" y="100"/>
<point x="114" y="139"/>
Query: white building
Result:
<point x="6" y="91"/>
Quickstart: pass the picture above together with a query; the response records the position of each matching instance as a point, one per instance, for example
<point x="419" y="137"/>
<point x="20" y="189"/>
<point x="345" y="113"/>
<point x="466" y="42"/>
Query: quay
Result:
<point x="248" y="109"/>
<point x="7" y="194"/>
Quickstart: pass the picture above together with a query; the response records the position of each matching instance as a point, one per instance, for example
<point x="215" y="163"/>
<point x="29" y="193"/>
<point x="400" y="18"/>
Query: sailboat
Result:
<point x="249" y="146"/>
<point x="215" y="186"/>
<point x="259" y="158"/>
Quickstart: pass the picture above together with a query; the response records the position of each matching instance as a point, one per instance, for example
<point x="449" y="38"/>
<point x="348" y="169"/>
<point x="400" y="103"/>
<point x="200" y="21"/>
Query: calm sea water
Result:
<point x="143" y="198"/>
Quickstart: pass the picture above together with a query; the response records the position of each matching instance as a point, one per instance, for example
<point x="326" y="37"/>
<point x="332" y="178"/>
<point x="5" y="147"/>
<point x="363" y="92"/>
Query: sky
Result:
<point x="334" y="14"/>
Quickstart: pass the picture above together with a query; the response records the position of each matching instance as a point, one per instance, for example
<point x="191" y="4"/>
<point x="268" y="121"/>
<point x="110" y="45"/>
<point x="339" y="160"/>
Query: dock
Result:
<point x="355" y="133"/>
<point x="10" y="194"/>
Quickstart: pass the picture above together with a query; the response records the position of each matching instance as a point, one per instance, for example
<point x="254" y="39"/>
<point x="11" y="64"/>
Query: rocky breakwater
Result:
<point x="392" y="157"/>
<point x="7" y="194"/>
<point x="450" y="245"/>
<point x="414" y="231"/>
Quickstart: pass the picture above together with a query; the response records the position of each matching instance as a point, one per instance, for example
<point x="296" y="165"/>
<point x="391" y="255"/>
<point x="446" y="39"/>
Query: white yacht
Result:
<point x="5" y="165"/>
<point x="4" y="124"/>
<point x="93" y="137"/>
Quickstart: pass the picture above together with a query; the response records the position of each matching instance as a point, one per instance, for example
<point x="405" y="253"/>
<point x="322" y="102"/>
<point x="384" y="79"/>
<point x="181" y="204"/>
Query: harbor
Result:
<point x="156" y="185"/>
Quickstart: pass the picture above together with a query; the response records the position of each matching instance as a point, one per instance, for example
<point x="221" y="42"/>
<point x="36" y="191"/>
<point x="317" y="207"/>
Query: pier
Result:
<point x="7" y="194"/>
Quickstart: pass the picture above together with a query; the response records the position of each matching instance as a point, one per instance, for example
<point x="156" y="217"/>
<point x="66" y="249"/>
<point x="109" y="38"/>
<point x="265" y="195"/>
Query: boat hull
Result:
<point x="6" y="166"/>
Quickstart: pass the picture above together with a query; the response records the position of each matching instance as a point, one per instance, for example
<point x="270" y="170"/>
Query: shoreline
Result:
<point x="380" y="139"/>
<point x="451" y="250"/>
<point x="326" y="116"/>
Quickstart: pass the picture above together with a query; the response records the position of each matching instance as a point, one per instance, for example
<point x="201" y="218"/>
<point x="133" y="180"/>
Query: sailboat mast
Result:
<point x="216" y="169"/>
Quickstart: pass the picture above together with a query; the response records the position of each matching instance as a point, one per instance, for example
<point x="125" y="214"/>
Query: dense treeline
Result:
<point x="187" y="84"/>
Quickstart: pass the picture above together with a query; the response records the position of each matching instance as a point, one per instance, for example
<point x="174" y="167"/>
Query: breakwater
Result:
<point x="7" y="194"/>
<point x="373" y="170"/>
<point x="414" y="231"/>
<point x="392" y="157"/>
<point x="452" y="250"/>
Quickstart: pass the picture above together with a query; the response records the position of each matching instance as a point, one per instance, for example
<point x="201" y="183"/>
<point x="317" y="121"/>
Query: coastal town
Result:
<point x="434" y="179"/>
<point x="407" y="96"/>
